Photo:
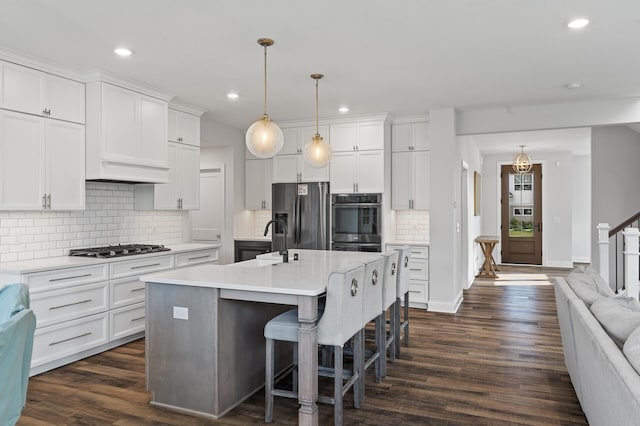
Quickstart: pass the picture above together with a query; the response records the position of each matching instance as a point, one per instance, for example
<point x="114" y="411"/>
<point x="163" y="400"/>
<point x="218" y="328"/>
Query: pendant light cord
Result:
<point x="317" y="126"/>
<point x="265" y="81"/>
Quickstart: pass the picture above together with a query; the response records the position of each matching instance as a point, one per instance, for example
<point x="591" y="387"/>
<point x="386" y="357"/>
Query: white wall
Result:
<point x="470" y="154"/>
<point x="581" y="209"/>
<point x="615" y="178"/>
<point x="224" y="145"/>
<point x="557" y="203"/>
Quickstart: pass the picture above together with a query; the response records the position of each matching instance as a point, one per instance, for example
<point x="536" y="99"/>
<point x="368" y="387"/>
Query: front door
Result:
<point x="521" y="215"/>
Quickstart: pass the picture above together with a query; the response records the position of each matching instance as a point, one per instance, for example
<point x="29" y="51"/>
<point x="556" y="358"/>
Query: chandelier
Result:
<point x="522" y="162"/>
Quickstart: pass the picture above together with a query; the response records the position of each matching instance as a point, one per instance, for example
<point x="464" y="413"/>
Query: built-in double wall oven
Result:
<point x="356" y="222"/>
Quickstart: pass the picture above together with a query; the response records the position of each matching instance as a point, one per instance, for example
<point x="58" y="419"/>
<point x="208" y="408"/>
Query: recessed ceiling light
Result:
<point x="233" y="95"/>
<point x="578" y="23"/>
<point x="123" y="51"/>
<point x="573" y="85"/>
<point x="343" y="109"/>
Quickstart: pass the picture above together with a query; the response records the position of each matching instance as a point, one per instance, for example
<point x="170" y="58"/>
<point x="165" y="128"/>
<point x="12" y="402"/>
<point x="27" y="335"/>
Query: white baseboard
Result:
<point x="559" y="265"/>
<point x="581" y="260"/>
<point x="450" y="307"/>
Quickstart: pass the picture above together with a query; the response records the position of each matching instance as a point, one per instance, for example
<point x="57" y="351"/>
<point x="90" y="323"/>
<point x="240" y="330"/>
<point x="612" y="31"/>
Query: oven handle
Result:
<point x="357" y="204"/>
<point x="356" y="244"/>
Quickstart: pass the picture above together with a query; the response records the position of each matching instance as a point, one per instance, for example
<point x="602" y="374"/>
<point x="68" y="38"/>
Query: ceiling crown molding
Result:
<point x="188" y="108"/>
<point x="39" y="64"/>
<point x="349" y="118"/>
<point x="107" y="77"/>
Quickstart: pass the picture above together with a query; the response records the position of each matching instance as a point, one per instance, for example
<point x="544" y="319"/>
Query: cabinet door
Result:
<point x="120" y="110"/>
<point x="153" y="132"/>
<point x="400" y="137"/>
<point x="312" y="174"/>
<point x="342" y="172"/>
<point x="22" y="161"/>
<point x="343" y="137"/>
<point x="370" y="135"/>
<point x="421" y="165"/>
<point x="65" y="164"/>
<point x="188" y="128"/>
<point x="189" y="176"/>
<point x="64" y="98"/>
<point x="172" y="125"/>
<point x="285" y="168"/>
<point x="292" y="139"/>
<point x="166" y="194"/>
<point x="254" y="193"/>
<point x="370" y="171"/>
<point x="419" y="136"/>
<point x="22" y="89"/>
<point x="268" y="181"/>
<point x="401" y="180"/>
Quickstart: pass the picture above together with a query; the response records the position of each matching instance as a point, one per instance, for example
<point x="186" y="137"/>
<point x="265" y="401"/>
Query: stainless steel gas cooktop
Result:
<point x="118" y="250"/>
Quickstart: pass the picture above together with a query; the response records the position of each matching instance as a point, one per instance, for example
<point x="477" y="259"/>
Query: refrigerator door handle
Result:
<point x="298" y="214"/>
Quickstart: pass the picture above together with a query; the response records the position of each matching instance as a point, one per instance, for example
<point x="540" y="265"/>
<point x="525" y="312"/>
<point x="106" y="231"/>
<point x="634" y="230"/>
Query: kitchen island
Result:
<point x="205" y="343"/>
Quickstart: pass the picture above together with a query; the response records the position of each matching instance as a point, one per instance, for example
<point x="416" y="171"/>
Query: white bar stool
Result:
<point x="388" y="302"/>
<point x="402" y="292"/>
<point x="341" y="320"/>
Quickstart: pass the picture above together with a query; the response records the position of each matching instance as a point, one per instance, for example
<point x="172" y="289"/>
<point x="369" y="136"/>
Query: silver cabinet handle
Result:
<point x="133" y="290"/>
<point x="199" y="257"/>
<point x="49" y="201"/>
<point x="44" y="201"/>
<point x="137" y="319"/>
<point x="145" y="266"/>
<point x="69" y="278"/>
<point x="70" y="304"/>
<point x="70" y="338"/>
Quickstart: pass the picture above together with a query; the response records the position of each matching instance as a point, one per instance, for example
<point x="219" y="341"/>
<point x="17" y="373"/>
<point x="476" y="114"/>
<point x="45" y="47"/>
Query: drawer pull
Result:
<point x="137" y="319"/>
<point x="70" y="304"/>
<point x="415" y="291"/>
<point x="199" y="257"/>
<point x="415" y="269"/>
<point x="70" y="338"/>
<point x="69" y="278"/>
<point x="137" y="289"/>
<point x="145" y="266"/>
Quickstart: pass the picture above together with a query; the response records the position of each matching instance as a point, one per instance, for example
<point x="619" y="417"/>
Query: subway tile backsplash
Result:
<point x="260" y="219"/>
<point x="109" y="218"/>
<point x="412" y="225"/>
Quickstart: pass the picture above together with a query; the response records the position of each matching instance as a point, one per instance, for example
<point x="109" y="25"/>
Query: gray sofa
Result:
<point x="606" y="383"/>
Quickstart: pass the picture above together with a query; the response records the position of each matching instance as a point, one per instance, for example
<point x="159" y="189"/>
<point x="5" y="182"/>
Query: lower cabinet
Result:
<point x="418" y="274"/>
<point x="81" y="311"/>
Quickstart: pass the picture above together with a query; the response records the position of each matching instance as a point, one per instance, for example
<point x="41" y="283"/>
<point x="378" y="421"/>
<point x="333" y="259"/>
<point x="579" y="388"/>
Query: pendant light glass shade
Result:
<point x="264" y="138"/>
<point x="317" y="152"/>
<point x="522" y="163"/>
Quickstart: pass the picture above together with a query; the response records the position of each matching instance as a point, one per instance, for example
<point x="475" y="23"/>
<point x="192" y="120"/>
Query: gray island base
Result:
<point x="205" y="347"/>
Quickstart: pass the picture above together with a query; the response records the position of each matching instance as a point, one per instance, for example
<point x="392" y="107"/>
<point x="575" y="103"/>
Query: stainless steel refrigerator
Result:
<point x="304" y="207"/>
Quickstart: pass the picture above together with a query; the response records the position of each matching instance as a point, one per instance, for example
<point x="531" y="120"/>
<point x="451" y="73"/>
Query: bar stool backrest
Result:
<point x="390" y="282"/>
<point x="403" y="271"/>
<point x="342" y="317"/>
<point x="373" y="283"/>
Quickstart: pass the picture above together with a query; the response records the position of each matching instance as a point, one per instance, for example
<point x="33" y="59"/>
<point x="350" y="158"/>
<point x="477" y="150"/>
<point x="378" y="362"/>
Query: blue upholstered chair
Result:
<point x="17" y="325"/>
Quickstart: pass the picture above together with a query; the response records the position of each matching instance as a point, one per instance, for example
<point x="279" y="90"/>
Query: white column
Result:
<point x="603" y="246"/>
<point x="632" y="259"/>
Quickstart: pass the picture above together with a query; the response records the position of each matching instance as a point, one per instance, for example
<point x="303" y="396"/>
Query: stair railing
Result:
<point x="619" y="250"/>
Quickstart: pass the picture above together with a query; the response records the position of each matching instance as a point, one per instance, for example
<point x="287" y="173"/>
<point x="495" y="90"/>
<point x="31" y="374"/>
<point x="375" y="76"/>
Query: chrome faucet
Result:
<point x="284" y="252"/>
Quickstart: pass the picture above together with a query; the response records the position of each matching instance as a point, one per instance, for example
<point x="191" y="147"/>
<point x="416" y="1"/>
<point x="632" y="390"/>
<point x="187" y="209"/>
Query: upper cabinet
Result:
<point x="126" y="134"/>
<point x="35" y="92"/>
<point x="184" y="127"/>
<point x="360" y="136"/>
<point x="258" y="179"/>
<point x="409" y="137"/>
<point x="289" y="164"/>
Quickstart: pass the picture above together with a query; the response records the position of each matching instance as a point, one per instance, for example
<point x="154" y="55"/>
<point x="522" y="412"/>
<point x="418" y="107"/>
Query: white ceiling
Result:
<point x="576" y="141"/>
<point x="403" y="57"/>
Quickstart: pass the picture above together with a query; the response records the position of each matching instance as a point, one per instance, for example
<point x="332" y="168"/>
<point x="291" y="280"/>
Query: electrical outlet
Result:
<point x="180" y="312"/>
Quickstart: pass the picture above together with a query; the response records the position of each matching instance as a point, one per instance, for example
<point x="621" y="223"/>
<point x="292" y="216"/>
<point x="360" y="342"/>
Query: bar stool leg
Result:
<point x="268" y="383"/>
<point x="392" y="332"/>
<point x="337" y="386"/>
<point x="398" y="326"/>
<point x="379" y="342"/>
<point x="406" y="318"/>
<point x="381" y="337"/>
<point x="295" y="367"/>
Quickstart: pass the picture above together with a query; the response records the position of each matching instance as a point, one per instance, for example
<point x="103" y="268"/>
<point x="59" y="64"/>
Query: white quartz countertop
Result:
<point x="60" y="262"/>
<point x="307" y="276"/>
<point x="408" y="243"/>
<point x="253" y="238"/>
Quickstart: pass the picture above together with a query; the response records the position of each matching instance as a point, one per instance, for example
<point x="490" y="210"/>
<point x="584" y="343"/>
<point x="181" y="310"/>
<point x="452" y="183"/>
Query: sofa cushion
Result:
<point x="588" y="285"/>
<point x="631" y="349"/>
<point x="619" y="317"/>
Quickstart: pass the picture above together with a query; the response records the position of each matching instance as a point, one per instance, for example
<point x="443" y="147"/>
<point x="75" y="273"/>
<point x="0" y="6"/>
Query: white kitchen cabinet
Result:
<point x="41" y="163"/>
<point x="410" y="180"/>
<point x="35" y="92"/>
<point x="357" y="172"/>
<point x="184" y="127"/>
<point x="126" y="135"/>
<point x="183" y="190"/>
<point x="293" y="168"/>
<point x="359" y="136"/>
<point x="409" y="137"/>
<point x="418" y="274"/>
<point x="258" y="180"/>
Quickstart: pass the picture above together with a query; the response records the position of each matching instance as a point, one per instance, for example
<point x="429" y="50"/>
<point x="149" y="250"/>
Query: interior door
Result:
<point x="207" y="224"/>
<point x="521" y="219"/>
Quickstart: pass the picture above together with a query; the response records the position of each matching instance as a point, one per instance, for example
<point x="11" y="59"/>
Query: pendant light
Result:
<point x="317" y="152"/>
<point x="522" y="163"/>
<point x="264" y="138"/>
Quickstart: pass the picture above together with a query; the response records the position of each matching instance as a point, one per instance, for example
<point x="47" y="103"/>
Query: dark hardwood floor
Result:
<point x="498" y="361"/>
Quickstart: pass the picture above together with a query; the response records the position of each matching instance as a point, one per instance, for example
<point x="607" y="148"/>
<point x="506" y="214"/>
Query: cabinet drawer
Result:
<point x="61" y="340"/>
<point x="418" y="269"/>
<point x="52" y="307"/>
<point x="419" y="252"/>
<point x="128" y="320"/>
<point x="59" y="278"/>
<point x="141" y="266"/>
<point x="418" y="291"/>
<point x="196" y="257"/>
<point x="126" y="291"/>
